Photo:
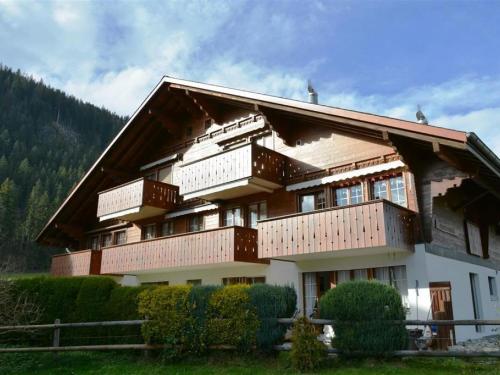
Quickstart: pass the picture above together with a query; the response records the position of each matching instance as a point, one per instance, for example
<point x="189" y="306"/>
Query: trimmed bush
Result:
<point x="232" y="319"/>
<point x="362" y="311"/>
<point x="196" y="330"/>
<point x="55" y="296"/>
<point x="271" y="302"/>
<point x="307" y="352"/>
<point x="167" y="309"/>
<point x="92" y="299"/>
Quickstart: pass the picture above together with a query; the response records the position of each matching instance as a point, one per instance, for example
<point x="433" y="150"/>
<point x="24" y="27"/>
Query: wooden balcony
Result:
<point x="204" y="248"/>
<point x="233" y="173"/>
<point x="375" y="226"/>
<point x="136" y="200"/>
<point x="78" y="263"/>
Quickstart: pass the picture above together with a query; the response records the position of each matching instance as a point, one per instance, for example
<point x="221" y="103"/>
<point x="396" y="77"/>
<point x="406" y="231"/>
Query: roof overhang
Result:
<point x="270" y="105"/>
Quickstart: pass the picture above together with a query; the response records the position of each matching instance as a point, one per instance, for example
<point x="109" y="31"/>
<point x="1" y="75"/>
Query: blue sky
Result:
<point x="383" y="57"/>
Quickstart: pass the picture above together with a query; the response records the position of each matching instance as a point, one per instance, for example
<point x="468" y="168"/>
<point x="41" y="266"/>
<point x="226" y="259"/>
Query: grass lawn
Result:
<point x="124" y="364"/>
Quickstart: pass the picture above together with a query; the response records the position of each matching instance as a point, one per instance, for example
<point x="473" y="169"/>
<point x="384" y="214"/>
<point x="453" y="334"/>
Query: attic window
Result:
<point x="208" y="123"/>
<point x="299" y="142"/>
<point x="189" y="131"/>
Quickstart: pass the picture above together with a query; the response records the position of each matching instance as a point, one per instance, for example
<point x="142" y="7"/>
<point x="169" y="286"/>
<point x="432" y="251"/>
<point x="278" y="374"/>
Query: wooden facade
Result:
<point x="234" y="151"/>
<point x="238" y="171"/>
<point x="78" y="263"/>
<point x="209" y="247"/>
<point x="365" y="225"/>
<point x="131" y="200"/>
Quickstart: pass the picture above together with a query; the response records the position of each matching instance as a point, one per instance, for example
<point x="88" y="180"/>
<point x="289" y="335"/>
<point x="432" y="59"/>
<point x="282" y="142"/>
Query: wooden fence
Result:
<point x="57" y="325"/>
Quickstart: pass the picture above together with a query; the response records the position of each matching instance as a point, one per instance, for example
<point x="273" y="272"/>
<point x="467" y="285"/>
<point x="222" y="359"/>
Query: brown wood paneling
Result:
<point x="137" y="193"/>
<point x="371" y="224"/>
<point x="214" y="246"/>
<point x="80" y="263"/>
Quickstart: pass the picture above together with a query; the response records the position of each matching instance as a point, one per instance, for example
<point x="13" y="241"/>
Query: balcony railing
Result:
<point x="240" y="171"/>
<point x="136" y="200"/>
<point x="215" y="246"/>
<point x="79" y="263"/>
<point x="374" y="224"/>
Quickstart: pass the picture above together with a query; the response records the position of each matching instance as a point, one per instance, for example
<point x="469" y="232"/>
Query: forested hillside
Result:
<point x="47" y="141"/>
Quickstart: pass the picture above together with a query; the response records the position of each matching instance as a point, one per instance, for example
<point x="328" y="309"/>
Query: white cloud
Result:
<point x="113" y="56"/>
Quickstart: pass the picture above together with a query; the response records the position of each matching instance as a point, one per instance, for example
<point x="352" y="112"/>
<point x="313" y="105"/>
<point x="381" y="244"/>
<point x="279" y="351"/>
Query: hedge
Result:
<point x="238" y="315"/>
<point x="232" y="320"/>
<point x="362" y="311"/>
<point x="271" y="302"/>
<point x="74" y="299"/>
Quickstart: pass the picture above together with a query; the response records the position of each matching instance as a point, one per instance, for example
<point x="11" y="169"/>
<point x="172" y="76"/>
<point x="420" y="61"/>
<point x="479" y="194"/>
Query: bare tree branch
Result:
<point x="16" y="308"/>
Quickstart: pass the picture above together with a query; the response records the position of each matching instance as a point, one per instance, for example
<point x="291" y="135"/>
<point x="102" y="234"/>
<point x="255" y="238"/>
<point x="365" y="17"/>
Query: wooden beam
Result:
<point x="208" y="108"/>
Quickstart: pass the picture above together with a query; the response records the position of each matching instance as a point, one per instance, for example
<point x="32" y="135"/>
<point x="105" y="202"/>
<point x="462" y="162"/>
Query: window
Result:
<point x="194" y="282"/>
<point x="196" y="223"/>
<point x="120" y="237"/>
<point x="151" y="176"/>
<point x="155" y="283"/>
<point x="94" y="243"/>
<point x="476" y="298"/>
<point x="473" y="239"/>
<point x="233" y="217"/>
<point x="189" y="131"/>
<point x="106" y="240"/>
<point x="148" y="231"/>
<point x="349" y="195"/>
<point x="167" y="228"/>
<point x="361" y="274"/>
<point x="312" y="201"/>
<point x="165" y="175"/>
<point x="343" y="276"/>
<point x="492" y="284"/>
<point x="392" y="189"/>
<point x="243" y="280"/>
<point x="256" y="211"/>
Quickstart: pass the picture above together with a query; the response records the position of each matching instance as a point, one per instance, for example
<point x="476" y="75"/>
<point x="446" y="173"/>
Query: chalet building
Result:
<point x="211" y="185"/>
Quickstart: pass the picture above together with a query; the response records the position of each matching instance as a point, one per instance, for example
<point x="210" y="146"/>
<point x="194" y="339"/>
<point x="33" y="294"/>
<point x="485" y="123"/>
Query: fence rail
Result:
<point x="410" y="322"/>
<point x="57" y="325"/>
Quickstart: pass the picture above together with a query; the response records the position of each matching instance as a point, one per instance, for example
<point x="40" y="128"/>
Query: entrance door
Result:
<point x="442" y="309"/>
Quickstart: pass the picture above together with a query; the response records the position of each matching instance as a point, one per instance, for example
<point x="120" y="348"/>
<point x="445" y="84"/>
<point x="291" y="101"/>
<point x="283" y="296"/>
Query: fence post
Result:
<point x="57" y="335"/>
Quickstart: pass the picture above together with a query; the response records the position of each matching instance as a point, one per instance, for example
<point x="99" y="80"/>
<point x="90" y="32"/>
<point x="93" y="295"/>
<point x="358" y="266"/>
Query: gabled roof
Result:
<point x="467" y="144"/>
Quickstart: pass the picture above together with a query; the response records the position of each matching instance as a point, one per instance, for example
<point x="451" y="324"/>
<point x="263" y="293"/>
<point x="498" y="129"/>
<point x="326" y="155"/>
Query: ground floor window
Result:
<point x="243" y="280"/>
<point x="194" y="282"/>
<point x="315" y="284"/>
<point x="476" y="298"/>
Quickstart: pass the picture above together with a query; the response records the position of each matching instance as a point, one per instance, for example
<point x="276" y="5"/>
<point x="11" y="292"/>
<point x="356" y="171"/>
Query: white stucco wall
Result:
<point x="421" y="269"/>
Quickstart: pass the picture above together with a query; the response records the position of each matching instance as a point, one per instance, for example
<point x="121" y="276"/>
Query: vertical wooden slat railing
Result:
<point x="250" y="160"/>
<point x="137" y="193"/>
<point x="213" y="246"/>
<point x="78" y="263"/>
<point x="371" y="224"/>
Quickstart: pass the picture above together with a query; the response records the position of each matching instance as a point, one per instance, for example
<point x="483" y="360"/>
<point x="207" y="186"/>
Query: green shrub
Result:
<point x="92" y="300"/>
<point x="196" y="330"/>
<point x="307" y="352"/>
<point x="123" y="305"/>
<point x="362" y="311"/>
<point x="271" y="302"/>
<point x="232" y="319"/>
<point x="56" y="296"/>
<point x="167" y="309"/>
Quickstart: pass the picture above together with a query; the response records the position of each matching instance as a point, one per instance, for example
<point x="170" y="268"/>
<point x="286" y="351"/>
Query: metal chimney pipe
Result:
<point x="313" y="95"/>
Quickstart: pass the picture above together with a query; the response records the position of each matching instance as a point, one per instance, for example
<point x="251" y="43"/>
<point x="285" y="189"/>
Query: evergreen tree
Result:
<point x="47" y="140"/>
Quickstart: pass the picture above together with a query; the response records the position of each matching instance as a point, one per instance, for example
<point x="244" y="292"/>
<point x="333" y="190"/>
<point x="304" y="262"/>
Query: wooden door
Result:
<point x="442" y="309"/>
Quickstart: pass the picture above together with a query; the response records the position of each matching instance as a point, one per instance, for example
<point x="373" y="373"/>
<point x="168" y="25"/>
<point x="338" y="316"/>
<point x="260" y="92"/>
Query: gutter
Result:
<point x="479" y="149"/>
